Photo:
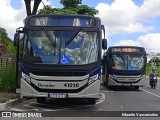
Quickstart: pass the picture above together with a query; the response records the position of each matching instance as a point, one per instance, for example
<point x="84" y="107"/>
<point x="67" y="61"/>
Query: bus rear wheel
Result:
<point x="92" y="101"/>
<point x="41" y="99"/>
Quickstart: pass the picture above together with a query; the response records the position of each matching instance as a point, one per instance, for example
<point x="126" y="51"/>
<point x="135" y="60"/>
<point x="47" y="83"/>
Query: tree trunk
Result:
<point x="35" y="7"/>
<point x="28" y="7"/>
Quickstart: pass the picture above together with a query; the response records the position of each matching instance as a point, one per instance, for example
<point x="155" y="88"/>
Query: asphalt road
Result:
<point x="123" y="99"/>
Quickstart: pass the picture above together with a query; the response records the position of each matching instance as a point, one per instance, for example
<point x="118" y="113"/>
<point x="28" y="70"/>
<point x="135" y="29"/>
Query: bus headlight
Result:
<point x="92" y="79"/>
<point x="26" y="77"/>
<point x="111" y="76"/>
<point x="142" y="77"/>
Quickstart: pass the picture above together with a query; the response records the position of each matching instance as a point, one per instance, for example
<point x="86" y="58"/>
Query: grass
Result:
<point x="149" y="69"/>
<point x="7" y="79"/>
<point x="7" y="84"/>
<point x="3" y="100"/>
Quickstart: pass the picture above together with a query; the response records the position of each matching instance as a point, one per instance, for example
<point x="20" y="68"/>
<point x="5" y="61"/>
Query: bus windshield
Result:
<point x="127" y="62"/>
<point x="49" y="47"/>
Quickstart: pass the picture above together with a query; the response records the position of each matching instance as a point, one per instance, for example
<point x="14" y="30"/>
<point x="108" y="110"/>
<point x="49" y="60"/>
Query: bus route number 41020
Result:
<point x="71" y="84"/>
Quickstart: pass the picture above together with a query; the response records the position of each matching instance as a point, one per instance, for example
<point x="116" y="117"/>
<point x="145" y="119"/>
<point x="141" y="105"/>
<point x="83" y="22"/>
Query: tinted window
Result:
<point x="62" y="21"/>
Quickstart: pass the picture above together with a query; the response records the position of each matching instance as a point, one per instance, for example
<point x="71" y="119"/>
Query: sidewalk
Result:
<point x="8" y="99"/>
<point x="9" y="103"/>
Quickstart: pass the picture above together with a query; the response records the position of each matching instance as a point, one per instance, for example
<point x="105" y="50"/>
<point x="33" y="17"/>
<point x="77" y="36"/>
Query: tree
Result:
<point x="6" y="44"/>
<point x="70" y="4"/>
<point x="35" y="6"/>
<point x="70" y="7"/>
<point x="3" y="34"/>
<point x="84" y="9"/>
<point x="156" y="61"/>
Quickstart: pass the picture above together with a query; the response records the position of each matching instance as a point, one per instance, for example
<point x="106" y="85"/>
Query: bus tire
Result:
<point x="109" y="87"/>
<point x="41" y="99"/>
<point x="92" y="101"/>
<point x="104" y="83"/>
<point x="136" y="87"/>
<point x="104" y="80"/>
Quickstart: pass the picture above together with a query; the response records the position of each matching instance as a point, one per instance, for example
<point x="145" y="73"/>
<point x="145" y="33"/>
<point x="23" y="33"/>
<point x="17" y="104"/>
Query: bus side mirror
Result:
<point x="16" y="39"/>
<point x="17" y="35"/>
<point x="104" y="44"/>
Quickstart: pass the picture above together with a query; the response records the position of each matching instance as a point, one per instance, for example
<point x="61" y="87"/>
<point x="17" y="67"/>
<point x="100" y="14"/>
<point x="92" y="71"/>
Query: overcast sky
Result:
<point x="127" y="22"/>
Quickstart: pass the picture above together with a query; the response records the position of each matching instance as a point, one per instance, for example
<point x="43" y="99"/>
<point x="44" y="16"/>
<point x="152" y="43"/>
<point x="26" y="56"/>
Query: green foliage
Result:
<point x="149" y="69"/>
<point x="3" y="32"/>
<point x="7" y="79"/>
<point x="3" y="35"/>
<point x="3" y="100"/>
<point x="69" y="8"/>
<point x="70" y="4"/>
<point x="49" y="10"/>
<point x="156" y="60"/>
<point x="7" y="42"/>
<point x="84" y="9"/>
<point x="11" y="49"/>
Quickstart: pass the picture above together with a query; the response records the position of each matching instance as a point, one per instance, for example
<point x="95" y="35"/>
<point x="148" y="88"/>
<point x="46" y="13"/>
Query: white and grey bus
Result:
<point x="124" y="66"/>
<point x="59" y="56"/>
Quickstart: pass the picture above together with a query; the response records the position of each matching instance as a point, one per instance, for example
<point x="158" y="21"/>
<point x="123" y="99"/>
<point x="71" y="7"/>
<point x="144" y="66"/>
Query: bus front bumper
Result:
<point x="91" y="91"/>
<point x="112" y="82"/>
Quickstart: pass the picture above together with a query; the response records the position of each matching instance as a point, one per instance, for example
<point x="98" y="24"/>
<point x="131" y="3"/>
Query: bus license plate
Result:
<point x="57" y="95"/>
<point x="127" y="85"/>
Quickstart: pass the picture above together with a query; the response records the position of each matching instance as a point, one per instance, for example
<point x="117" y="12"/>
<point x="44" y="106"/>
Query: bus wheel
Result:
<point x="109" y="87"/>
<point x="41" y="99"/>
<point x="136" y="87"/>
<point x="92" y="101"/>
<point x="104" y="83"/>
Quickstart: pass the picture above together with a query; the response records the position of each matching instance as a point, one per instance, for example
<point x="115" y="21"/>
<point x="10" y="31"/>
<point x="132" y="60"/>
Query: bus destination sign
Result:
<point x="124" y="49"/>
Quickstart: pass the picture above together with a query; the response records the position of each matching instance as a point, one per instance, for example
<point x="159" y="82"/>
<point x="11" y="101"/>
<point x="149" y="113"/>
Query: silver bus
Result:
<point x="124" y="66"/>
<point x="59" y="56"/>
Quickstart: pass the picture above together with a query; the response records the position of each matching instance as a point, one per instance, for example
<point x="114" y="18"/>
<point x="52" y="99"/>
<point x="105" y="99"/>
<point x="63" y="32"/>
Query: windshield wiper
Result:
<point x="48" y="35"/>
<point x="50" y="38"/>
<point x="73" y="36"/>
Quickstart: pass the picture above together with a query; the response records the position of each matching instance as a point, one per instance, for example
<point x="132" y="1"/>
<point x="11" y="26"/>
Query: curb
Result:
<point x="4" y="106"/>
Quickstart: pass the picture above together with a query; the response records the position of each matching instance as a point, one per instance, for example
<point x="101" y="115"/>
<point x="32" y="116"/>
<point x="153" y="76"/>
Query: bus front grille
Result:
<point x="124" y="78"/>
<point x="44" y="73"/>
